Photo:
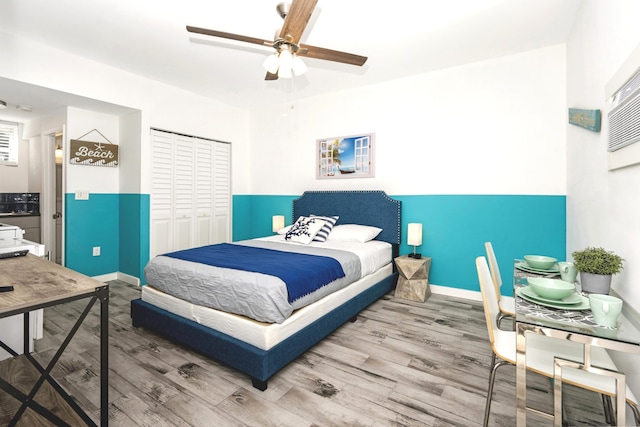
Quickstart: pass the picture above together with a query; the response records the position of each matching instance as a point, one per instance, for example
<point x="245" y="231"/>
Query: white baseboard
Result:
<point x="132" y="280"/>
<point x="455" y="292"/>
<point x="106" y="277"/>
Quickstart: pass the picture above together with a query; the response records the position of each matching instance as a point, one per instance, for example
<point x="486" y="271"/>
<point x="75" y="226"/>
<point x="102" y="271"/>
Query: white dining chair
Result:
<point x="541" y="351"/>
<point x="506" y="304"/>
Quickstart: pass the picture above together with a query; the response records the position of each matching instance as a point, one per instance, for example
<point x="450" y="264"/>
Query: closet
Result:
<point x="190" y="192"/>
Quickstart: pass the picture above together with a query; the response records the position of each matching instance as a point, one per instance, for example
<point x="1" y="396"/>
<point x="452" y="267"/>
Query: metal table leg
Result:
<point x="102" y="295"/>
<point x="521" y="376"/>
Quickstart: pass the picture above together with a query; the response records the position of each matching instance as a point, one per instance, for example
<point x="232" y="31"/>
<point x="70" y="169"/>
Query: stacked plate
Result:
<point x="526" y="267"/>
<point x="538" y="264"/>
<point x="569" y="300"/>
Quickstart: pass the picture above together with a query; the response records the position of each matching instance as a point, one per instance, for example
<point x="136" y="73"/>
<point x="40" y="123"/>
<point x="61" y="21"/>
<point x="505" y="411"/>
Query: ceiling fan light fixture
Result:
<point x="298" y="66"/>
<point x="285" y="72"/>
<point x="286" y="59"/>
<point x="286" y="62"/>
<point x="272" y="63"/>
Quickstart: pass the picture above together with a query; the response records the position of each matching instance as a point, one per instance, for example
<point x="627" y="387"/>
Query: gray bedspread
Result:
<point x="258" y="296"/>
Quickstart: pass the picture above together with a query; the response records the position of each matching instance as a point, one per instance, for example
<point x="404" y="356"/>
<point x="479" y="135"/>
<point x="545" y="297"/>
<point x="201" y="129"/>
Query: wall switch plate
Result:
<point x="96" y="251"/>
<point x="82" y="195"/>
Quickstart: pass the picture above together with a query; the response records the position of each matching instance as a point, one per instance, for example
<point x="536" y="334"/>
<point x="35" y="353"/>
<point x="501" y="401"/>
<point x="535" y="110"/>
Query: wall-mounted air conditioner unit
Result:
<point x="623" y="94"/>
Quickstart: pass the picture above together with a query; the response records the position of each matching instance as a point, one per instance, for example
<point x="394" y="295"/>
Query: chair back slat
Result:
<point x="489" y="297"/>
<point x="493" y="266"/>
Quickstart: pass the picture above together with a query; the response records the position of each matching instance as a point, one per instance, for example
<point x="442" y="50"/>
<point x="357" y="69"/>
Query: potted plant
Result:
<point x="596" y="266"/>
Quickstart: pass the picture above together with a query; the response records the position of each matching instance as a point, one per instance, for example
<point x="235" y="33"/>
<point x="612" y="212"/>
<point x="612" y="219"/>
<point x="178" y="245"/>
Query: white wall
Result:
<point x="162" y="106"/>
<point x="603" y="206"/>
<point x="130" y="153"/>
<point x="95" y="179"/>
<point x="492" y="127"/>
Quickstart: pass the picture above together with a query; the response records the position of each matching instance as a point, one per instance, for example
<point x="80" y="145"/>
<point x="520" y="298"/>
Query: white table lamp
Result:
<point x="277" y="223"/>
<point x="414" y="237"/>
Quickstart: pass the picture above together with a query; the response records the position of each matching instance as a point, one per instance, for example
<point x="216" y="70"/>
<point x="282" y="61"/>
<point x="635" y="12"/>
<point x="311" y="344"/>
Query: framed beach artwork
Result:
<point x="345" y="157"/>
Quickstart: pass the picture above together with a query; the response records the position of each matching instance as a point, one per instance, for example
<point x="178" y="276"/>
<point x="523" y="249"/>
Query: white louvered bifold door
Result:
<point x="161" y="209"/>
<point x="191" y="192"/>
<point x="204" y="192"/>
<point x="184" y="194"/>
<point x="222" y="192"/>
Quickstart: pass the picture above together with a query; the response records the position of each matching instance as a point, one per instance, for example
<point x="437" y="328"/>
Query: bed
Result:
<point x="260" y="349"/>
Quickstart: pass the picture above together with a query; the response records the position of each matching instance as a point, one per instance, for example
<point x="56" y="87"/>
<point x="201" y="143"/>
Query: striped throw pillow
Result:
<point x="329" y="222"/>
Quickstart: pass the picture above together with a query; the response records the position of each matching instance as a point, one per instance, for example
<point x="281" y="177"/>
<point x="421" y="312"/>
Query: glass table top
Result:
<point x="569" y="319"/>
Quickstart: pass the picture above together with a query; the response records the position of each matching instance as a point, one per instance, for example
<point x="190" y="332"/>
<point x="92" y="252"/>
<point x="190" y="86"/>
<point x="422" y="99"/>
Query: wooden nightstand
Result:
<point x="413" y="280"/>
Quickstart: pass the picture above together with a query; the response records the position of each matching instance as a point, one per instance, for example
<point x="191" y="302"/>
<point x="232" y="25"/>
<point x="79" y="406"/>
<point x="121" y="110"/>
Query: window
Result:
<point x="8" y="143"/>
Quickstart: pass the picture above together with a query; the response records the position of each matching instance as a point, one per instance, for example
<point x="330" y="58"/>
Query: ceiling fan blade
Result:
<point x="296" y="20"/>
<point x="271" y="76"/>
<point x="230" y="36"/>
<point x="331" y="55"/>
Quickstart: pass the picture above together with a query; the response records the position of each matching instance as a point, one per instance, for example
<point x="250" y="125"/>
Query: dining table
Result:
<point x="573" y="323"/>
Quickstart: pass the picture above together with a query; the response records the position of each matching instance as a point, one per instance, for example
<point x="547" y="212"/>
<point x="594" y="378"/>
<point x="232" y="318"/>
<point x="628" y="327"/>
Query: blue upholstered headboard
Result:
<point x="373" y="208"/>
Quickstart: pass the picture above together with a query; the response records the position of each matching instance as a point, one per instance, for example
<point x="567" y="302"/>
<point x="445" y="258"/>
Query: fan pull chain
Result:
<point x="287" y="101"/>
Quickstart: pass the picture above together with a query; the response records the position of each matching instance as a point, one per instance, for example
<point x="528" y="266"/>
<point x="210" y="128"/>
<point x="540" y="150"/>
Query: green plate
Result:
<point x="583" y="305"/>
<point x="571" y="299"/>
<point x="525" y="267"/>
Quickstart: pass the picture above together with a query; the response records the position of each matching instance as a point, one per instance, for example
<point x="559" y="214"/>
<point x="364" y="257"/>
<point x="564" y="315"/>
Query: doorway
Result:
<point x="52" y="202"/>
<point x="57" y="216"/>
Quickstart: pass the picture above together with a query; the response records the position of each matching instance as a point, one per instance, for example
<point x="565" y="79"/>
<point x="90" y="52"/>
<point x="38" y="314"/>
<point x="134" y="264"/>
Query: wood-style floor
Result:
<point x="401" y="363"/>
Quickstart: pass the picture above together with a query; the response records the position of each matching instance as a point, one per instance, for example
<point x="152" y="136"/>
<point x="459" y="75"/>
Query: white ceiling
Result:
<point x="148" y="37"/>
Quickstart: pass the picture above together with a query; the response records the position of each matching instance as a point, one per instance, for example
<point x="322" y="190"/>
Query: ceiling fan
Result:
<point x="286" y="62"/>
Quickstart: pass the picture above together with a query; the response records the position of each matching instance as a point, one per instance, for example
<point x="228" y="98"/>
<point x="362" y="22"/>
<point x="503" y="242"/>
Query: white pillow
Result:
<point x="330" y="221"/>
<point x="354" y="233"/>
<point x="285" y="230"/>
<point x="304" y="230"/>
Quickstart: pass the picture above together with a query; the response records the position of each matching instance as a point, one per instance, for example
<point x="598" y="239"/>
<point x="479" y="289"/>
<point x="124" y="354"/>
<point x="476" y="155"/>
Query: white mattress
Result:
<point x="258" y="334"/>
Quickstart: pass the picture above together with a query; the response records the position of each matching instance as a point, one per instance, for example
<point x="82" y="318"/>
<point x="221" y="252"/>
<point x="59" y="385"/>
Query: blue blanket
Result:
<point x="302" y="273"/>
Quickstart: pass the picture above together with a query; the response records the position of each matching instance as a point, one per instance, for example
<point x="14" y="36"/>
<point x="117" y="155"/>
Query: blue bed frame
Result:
<point x="373" y="208"/>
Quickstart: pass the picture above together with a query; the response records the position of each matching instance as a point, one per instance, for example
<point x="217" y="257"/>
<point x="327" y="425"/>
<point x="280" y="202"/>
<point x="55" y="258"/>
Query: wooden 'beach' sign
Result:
<point x="93" y="153"/>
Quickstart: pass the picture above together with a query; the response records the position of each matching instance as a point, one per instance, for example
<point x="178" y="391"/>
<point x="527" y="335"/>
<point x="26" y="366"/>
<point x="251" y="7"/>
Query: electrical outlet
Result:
<point x="82" y="195"/>
<point x="96" y="251"/>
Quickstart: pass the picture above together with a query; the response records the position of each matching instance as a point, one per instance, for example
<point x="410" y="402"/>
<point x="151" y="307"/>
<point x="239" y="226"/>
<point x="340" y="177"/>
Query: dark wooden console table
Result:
<point x="39" y="283"/>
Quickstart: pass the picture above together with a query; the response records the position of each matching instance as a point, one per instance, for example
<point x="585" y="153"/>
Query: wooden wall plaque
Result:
<point x="588" y="119"/>
<point x="93" y="153"/>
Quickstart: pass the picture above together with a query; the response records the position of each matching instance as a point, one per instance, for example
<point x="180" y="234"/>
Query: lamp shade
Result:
<point x="414" y="234"/>
<point x="272" y="63"/>
<point x="298" y="66"/>
<point x="277" y="223"/>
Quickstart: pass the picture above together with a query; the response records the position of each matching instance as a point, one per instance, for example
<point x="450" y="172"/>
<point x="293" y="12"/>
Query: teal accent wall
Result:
<point x="134" y="234"/>
<point x="90" y="223"/>
<point x="252" y="215"/>
<point x="118" y="223"/>
<point x="455" y="228"/>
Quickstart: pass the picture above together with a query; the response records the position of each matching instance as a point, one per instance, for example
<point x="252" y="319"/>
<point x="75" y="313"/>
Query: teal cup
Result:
<point x="605" y="309"/>
<point x="568" y="271"/>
